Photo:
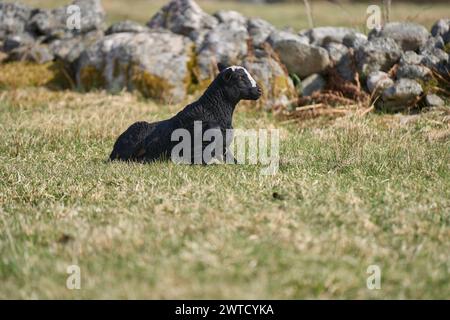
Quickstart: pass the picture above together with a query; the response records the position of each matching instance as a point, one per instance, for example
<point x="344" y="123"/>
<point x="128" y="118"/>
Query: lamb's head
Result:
<point x="238" y="84"/>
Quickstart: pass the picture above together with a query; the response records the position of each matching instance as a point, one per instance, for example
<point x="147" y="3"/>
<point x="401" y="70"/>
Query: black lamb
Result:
<point x="146" y="142"/>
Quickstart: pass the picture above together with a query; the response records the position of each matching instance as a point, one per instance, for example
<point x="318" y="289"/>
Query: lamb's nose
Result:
<point x="259" y="90"/>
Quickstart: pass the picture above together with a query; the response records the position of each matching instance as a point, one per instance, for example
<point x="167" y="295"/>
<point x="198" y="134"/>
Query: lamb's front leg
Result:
<point x="216" y="143"/>
<point x="227" y="155"/>
<point x="218" y="147"/>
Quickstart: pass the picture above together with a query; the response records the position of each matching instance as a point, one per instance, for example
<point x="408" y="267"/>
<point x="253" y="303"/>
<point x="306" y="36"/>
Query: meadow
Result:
<point x="351" y="192"/>
<point x="291" y="15"/>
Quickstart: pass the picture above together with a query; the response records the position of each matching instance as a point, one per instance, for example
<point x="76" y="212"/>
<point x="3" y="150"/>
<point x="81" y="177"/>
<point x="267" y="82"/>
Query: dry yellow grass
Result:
<point x="351" y="192"/>
<point x="354" y="192"/>
<point x="15" y="75"/>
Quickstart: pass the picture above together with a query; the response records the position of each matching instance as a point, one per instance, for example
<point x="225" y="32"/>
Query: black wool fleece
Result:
<point x="147" y="142"/>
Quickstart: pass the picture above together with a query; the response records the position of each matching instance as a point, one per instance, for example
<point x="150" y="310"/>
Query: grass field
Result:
<point x="352" y="192"/>
<point x="339" y="13"/>
<point x="356" y="192"/>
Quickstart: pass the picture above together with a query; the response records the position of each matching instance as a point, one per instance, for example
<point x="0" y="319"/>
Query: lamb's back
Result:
<point x="125" y="146"/>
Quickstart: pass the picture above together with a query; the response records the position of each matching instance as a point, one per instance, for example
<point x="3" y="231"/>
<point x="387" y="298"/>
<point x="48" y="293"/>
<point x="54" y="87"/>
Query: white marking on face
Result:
<point x="249" y="76"/>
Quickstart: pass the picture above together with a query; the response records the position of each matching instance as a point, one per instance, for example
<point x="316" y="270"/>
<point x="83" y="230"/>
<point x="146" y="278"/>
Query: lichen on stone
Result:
<point x="429" y="86"/>
<point x="149" y="85"/>
<point x="91" y="78"/>
<point x="447" y="48"/>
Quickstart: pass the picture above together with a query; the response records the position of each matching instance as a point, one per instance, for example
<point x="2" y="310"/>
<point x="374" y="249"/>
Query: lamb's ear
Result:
<point x="227" y="75"/>
<point x="221" y="66"/>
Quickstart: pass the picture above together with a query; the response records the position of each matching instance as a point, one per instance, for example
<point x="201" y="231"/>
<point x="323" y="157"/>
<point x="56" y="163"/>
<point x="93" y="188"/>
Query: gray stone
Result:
<point x="278" y="88"/>
<point x="53" y="23"/>
<point x="184" y="17"/>
<point x="228" y="16"/>
<point x="302" y="59"/>
<point x="336" y="51"/>
<point x="432" y="43"/>
<point x="441" y="27"/>
<point x="37" y="53"/>
<point x="437" y="60"/>
<point x="378" y="81"/>
<point x="346" y="68"/>
<point x="67" y="50"/>
<point x="439" y="54"/>
<point x="259" y="31"/>
<point x="155" y="63"/>
<point x="313" y="83"/>
<point x="282" y="35"/>
<point x="15" y="41"/>
<point x="355" y="40"/>
<point x="446" y="37"/>
<point x="410" y="57"/>
<point x="13" y="18"/>
<point x="49" y="23"/>
<point x="40" y="54"/>
<point x="322" y="35"/>
<point x="410" y="36"/>
<point x="342" y="59"/>
<point x="126" y="26"/>
<point x="377" y="54"/>
<point x="412" y="71"/>
<point x="433" y="100"/>
<point x="92" y="15"/>
<point x="402" y="94"/>
<point x="226" y="43"/>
